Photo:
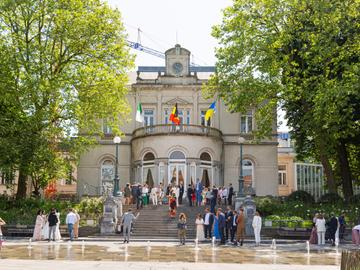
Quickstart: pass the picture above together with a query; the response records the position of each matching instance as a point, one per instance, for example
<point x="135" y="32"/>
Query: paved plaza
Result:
<point x="88" y="265"/>
<point x="19" y="254"/>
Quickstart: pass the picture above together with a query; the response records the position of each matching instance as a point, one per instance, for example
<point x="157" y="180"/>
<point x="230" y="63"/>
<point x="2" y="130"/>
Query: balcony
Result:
<point x="177" y="130"/>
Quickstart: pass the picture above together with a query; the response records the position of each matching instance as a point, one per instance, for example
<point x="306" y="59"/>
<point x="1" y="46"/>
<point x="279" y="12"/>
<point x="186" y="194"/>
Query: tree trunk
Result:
<point x="328" y="170"/>
<point x="330" y="178"/>
<point x="345" y="171"/>
<point x="21" y="186"/>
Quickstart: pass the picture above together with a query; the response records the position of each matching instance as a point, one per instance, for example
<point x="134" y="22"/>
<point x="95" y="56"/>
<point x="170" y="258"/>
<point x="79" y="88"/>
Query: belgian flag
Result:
<point x="174" y="115"/>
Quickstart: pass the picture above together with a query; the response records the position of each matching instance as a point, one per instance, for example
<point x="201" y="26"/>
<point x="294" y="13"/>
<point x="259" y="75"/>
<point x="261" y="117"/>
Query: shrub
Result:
<point x="90" y="207"/>
<point x="300" y="196"/>
<point x="294" y="222"/>
<point x="267" y="205"/>
<point x="24" y="211"/>
<point x="331" y="198"/>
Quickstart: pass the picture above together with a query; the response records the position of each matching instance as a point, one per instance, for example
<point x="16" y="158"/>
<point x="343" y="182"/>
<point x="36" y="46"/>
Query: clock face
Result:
<point x="177" y="67"/>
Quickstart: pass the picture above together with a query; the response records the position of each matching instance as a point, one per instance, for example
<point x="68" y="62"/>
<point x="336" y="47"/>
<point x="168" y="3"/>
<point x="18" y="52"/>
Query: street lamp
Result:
<point x="241" y="141"/>
<point x="116" y="192"/>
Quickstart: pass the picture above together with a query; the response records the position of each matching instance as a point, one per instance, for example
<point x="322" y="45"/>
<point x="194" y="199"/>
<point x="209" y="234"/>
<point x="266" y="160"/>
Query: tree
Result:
<point x="303" y="55"/>
<point x="63" y="66"/>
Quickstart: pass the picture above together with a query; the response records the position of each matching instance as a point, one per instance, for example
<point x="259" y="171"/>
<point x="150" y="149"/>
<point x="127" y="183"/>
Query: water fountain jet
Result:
<point x="273" y="244"/>
<point x="196" y="244"/>
<point x="29" y="245"/>
<point x="308" y="248"/>
<point x="213" y="243"/>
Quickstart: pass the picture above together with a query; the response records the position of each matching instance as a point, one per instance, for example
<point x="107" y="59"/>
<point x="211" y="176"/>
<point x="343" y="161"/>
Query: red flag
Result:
<point x="174" y="116"/>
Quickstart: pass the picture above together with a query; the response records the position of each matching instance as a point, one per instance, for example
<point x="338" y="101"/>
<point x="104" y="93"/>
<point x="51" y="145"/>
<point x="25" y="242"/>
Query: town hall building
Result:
<point x="157" y="151"/>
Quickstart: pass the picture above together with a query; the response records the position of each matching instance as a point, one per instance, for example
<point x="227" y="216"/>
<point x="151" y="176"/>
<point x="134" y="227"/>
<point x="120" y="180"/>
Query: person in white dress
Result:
<point x="225" y="195"/>
<point x="257" y="227"/>
<point x="321" y="229"/>
<point x="154" y="195"/>
<point x="45" y="228"/>
<point x="177" y="193"/>
<point x="57" y="230"/>
<point x="199" y="228"/>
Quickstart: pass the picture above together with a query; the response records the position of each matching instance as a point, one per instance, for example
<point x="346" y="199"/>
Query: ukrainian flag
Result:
<point x="210" y="111"/>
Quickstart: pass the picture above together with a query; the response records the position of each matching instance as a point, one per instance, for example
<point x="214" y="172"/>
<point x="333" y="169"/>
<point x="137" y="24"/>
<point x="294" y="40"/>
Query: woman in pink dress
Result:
<point x="356" y="235"/>
<point x="38" y="226"/>
<point x="313" y="236"/>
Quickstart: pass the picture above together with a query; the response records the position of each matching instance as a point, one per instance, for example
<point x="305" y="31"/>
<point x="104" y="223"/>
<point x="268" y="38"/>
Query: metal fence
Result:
<point x="181" y="129"/>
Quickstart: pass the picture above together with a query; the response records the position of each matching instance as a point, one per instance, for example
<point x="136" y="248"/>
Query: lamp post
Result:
<point x="116" y="192"/>
<point x="241" y="141"/>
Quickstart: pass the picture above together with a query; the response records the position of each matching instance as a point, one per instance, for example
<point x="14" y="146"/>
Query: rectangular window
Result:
<point x="166" y="116"/>
<point x="188" y="117"/>
<point x="106" y="128"/>
<point x="246" y="122"/>
<point x="202" y="119"/>
<point x="282" y="174"/>
<point x="149" y="117"/>
<point x="184" y="116"/>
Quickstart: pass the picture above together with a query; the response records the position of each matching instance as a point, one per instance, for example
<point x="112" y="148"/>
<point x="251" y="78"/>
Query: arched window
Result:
<point x="177" y="155"/>
<point x="149" y="157"/>
<point x="107" y="171"/>
<point x="248" y="173"/>
<point x="205" y="158"/>
<point x="148" y="169"/>
<point x="205" y="166"/>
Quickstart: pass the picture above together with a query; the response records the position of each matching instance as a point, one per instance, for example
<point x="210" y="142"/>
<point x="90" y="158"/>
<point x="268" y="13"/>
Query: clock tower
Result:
<point x="177" y="61"/>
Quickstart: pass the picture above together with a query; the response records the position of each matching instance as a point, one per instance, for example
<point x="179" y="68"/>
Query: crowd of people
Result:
<point x="332" y="229"/>
<point x="222" y="226"/>
<point x="47" y="226"/>
<point x="197" y="195"/>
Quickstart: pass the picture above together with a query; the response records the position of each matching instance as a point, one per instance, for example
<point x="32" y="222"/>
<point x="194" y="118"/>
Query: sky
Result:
<point x="164" y="23"/>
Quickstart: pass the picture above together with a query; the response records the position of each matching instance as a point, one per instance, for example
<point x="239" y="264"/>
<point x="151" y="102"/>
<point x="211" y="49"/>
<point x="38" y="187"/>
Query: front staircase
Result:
<point x="154" y="222"/>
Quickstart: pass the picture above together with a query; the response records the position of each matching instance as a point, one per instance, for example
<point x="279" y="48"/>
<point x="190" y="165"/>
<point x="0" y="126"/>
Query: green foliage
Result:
<point x="267" y="205"/>
<point x="90" y="208"/>
<point x="303" y="56"/>
<point x="300" y="196"/>
<point x="24" y="211"/>
<point x="63" y="66"/>
<point x="331" y="198"/>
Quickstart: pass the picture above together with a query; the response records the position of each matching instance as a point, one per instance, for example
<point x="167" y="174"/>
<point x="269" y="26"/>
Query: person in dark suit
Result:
<point x="222" y="224"/>
<point x="189" y="194"/>
<point x="212" y="202"/>
<point x="134" y="193"/>
<point x="228" y="218"/>
<point x="215" y="192"/>
<point x="139" y="202"/>
<point x="333" y="225"/>
<point x="231" y="194"/>
<point x="181" y="193"/>
<point x="233" y="226"/>
<point x="208" y="223"/>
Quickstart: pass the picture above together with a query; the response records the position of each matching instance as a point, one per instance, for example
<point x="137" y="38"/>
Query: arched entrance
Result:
<point x="177" y="168"/>
<point x="149" y="169"/>
<point x="107" y="175"/>
<point x="206" y="168"/>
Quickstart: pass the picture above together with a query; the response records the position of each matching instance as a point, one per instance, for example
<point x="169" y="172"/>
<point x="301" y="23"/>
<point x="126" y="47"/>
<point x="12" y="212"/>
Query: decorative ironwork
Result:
<point x="173" y="129"/>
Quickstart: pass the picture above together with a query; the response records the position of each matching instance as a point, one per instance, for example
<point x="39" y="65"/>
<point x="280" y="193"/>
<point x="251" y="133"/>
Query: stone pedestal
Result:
<point x="239" y="201"/>
<point x="249" y="210"/>
<point x="108" y="221"/>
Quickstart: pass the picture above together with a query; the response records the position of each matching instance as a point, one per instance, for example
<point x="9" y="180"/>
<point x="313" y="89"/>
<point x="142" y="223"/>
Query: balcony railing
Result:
<point x="173" y="130"/>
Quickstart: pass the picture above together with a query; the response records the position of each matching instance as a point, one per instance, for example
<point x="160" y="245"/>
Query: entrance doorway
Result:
<point x="177" y="174"/>
<point x="177" y="169"/>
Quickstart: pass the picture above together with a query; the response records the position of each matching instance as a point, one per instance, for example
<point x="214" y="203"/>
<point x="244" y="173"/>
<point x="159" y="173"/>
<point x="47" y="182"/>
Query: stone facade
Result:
<point x="157" y="151"/>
